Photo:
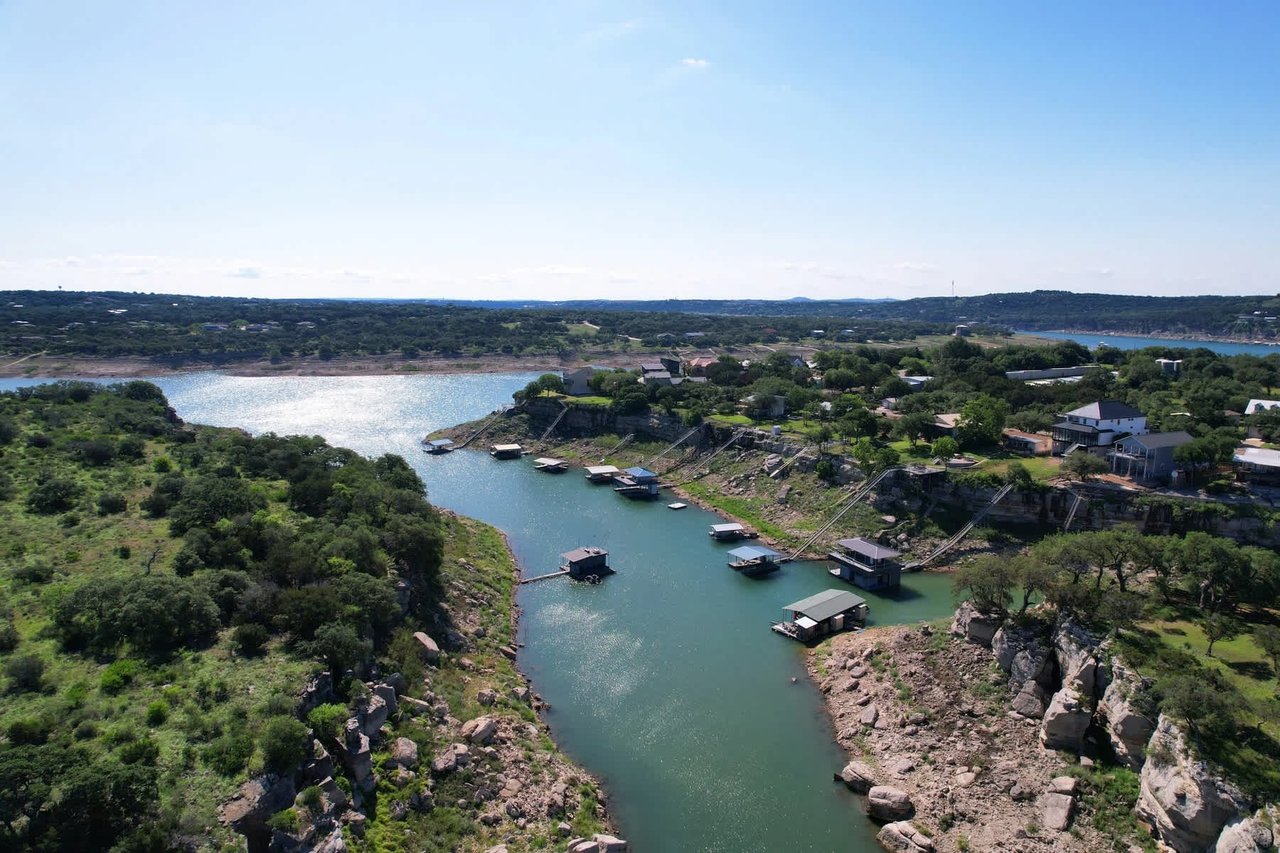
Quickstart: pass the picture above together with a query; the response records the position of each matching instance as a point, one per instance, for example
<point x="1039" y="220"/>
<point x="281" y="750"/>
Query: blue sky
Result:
<point x="579" y="149"/>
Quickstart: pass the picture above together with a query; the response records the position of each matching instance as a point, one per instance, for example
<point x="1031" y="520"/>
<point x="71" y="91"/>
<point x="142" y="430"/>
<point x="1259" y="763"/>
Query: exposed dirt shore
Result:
<point x="928" y="714"/>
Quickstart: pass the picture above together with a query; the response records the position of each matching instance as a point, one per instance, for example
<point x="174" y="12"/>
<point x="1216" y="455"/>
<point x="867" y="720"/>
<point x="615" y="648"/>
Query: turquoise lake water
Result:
<point x="1127" y="342"/>
<point x="664" y="680"/>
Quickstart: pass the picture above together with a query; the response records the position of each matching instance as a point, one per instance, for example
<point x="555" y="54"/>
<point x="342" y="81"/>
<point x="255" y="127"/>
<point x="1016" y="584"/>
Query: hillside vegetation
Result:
<point x="166" y="591"/>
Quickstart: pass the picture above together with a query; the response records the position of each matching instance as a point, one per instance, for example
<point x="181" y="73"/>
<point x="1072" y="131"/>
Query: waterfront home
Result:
<point x="1097" y="425"/>
<point x="698" y="366"/>
<point x="1259" y="465"/>
<point x="915" y="383"/>
<point x="1170" y="366"/>
<point x="754" y="560"/>
<point x="1050" y="373"/>
<point x="947" y="423"/>
<point x="828" y="612"/>
<point x="1147" y="457"/>
<point x="577" y="383"/>
<point x="601" y="473"/>
<point x="587" y="562"/>
<point x="549" y="465"/>
<point x="437" y="445"/>
<point x="728" y="532"/>
<point x="866" y="564"/>
<point x="506" y="451"/>
<point x="1026" y="443"/>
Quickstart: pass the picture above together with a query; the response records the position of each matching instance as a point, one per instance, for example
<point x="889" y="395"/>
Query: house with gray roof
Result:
<point x="1097" y="425"/>
<point x="866" y="564"/>
<point x="1148" y="457"/>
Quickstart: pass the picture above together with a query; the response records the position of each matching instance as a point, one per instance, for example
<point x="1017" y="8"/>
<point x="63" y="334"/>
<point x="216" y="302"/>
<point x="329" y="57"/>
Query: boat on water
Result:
<point x="676" y="505"/>
<point x="828" y="612"/>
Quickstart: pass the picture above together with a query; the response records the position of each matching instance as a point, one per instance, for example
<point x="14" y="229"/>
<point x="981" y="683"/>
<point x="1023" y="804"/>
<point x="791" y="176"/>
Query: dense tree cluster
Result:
<point x="283" y="546"/>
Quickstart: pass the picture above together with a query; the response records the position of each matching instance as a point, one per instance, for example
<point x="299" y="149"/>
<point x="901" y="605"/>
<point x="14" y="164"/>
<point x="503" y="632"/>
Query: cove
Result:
<point x="664" y="680"/>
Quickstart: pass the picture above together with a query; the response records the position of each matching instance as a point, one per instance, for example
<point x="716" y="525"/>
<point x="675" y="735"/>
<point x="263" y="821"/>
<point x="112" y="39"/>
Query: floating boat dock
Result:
<point x="754" y="560"/>
<point x="437" y="445"/>
<point x="506" y="451"/>
<point x="730" y="532"/>
<point x="589" y="562"/>
<point x="828" y="612"/>
<point x="637" y="484"/>
<point x="602" y="473"/>
<point x="549" y="465"/>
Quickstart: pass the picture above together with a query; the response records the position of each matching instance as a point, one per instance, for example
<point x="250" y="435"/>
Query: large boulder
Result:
<point x="373" y="714"/>
<point x="1254" y="834"/>
<point x="356" y="755"/>
<point x="903" y="837"/>
<point x="1055" y="810"/>
<point x="480" y="730"/>
<point x="1123" y="707"/>
<point x="974" y="625"/>
<point x="257" y="800"/>
<point x="887" y="803"/>
<point x="1031" y="701"/>
<point x="387" y="693"/>
<point x="1184" y="802"/>
<point x="859" y="777"/>
<point x="1082" y="659"/>
<point x="1022" y="652"/>
<point x="428" y="647"/>
<point x="1065" y="721"/>
<point x="404" y="753"/>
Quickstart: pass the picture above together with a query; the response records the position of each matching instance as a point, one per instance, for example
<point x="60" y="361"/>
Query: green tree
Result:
<point x="981" y="421"/>
<point x="282" y="744"/>
<point x="1218" y="626"/>
<point x="340" y="647"/>
<point x="988" y="582"/>
<point x="1083" y="466"/>
<point x="944" y="448"/>
<point x="1268" y="639"/>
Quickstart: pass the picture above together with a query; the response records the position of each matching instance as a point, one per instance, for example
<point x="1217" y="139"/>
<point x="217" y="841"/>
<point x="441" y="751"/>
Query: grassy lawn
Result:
<point x="1040" y="467"/>
<point x="729" y="420"/>
<point x="588" y="400"/>
<point x="1239" y="659"/>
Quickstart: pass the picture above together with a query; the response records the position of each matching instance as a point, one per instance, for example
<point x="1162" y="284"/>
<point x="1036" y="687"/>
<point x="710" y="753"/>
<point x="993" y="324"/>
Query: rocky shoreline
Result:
<point x="991" y="735"/>
<point x="453" y="739"/>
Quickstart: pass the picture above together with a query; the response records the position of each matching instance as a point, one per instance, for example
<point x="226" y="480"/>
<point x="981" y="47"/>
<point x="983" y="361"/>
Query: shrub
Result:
<point x="110" y="503"/>
<point x="162" y="465"/>
<point x="26" y="674"/>
<point x="9" y="638"/>
<point x="227" y="755"/>
<point x="30" y="730"/>
<point x="118" y="675"/>
<point x="8" y="430"/>
<point x="327" y="721"/>
<point x="248" y="639"/>
<point x="34" y="572"/>
<point x="39" y="440"/>
<point x="88" y="730"/>
<point x="157" y="713"/>
<point x="53" y="496"/>
<point x="282" y="745"/>
<point x="140" y="751"/>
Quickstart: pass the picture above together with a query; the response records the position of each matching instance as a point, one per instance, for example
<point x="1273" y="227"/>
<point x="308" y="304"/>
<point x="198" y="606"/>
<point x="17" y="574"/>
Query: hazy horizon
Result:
<point x="579" y="150"/>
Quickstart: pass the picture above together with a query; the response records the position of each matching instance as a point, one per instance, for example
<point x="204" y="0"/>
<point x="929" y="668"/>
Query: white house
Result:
<point x="1097" y="425"/>
<point x="577" y="382"/>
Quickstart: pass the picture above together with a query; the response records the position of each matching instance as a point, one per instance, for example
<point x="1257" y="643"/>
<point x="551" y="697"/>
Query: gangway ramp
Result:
<point x="963" y="532"/>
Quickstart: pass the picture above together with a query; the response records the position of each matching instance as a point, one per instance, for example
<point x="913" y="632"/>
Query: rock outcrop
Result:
<point x="1023" y="653"/>
<point x="903" y="837"/>
<point x="257" y="800"/>
<point x="1186" y="805"/>
<point x="1082" y="659"/>
<point x="974" y="625"/>
<point x="858" y="776"/>
<point x="1122" y="710"/>
<point x="1256" y="833"/>
<point x="1065" y="721"/>
<point x="887" y="803"/>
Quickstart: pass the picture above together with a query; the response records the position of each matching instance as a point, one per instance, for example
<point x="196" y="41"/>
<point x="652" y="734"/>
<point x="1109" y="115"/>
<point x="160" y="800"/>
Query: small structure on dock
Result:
<point x="549" y="465"/>
<point x="637" y="483"/>
<point x="602" y="473"/>
<point x="730" y="532"/>
<point x="754" y="560"/>
<point x="866" y="564"/>
<point x="828" y="612"/>
<point x="586" y="563"/>
<point x="437" y="445"/>
<point x="506" y="451"/>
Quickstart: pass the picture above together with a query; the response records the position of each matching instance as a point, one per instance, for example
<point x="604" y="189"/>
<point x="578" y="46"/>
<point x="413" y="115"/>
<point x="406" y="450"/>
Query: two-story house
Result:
<point x="1097" y="425"/>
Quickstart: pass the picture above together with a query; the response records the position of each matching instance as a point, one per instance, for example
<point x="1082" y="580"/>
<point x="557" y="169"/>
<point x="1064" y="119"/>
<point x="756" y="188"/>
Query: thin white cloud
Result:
<point x="612" y="32"/>
<point x="695" y="64"/>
